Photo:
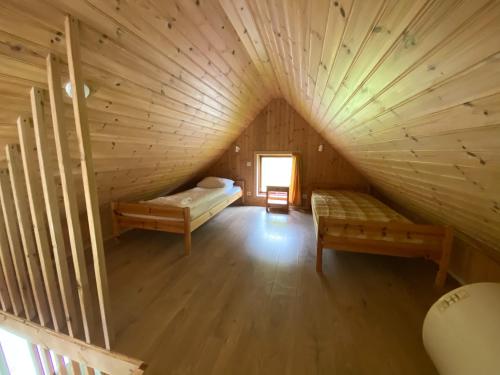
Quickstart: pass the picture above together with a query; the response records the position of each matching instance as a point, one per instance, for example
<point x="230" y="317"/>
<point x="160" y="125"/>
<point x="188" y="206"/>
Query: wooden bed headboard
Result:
<point x="361" y="189"/>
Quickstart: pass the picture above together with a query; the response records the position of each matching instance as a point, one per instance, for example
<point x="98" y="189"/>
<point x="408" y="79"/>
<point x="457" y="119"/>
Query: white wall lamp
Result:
<point x="320" y="148"/>
<point x="69" y="89"/>
<point x="236" y="148"/>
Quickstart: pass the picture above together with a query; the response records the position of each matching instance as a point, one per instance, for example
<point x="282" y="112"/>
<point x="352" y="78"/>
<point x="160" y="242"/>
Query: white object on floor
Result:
<point x="461" y="331"/>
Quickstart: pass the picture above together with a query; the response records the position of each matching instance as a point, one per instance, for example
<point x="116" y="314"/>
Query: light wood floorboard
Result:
<point x="248" y="301"/>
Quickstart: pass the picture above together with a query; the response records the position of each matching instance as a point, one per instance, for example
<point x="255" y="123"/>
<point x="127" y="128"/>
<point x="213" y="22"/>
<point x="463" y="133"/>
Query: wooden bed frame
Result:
<point x="435" y="241"/>
<point x="179" y="222"/>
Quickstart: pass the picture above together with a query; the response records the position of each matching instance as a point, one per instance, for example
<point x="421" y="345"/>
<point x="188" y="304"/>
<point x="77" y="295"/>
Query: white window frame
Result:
<point x="257" y="157"/>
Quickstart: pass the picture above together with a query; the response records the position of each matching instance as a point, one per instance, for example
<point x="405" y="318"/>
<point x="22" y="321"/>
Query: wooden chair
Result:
<point x="277" y="197"/>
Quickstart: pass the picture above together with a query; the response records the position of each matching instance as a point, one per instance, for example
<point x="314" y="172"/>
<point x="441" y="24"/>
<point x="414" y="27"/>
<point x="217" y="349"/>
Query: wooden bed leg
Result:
<point x="319" y="256"/>
<point x="319" y="244"/>
<point x="447" y="245"/>
<point x="187" y="231"/>
<point x="187" y="243"/>
<point x="114" y="222"/>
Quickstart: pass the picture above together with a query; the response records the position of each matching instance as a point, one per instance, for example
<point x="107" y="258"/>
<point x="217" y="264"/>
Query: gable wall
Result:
<point x="278" y="127"/>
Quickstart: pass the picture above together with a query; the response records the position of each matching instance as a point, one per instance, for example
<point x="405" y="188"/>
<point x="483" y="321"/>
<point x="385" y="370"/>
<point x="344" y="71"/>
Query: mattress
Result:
<point x="351" y="205"/>
<point x="199" y="200"/>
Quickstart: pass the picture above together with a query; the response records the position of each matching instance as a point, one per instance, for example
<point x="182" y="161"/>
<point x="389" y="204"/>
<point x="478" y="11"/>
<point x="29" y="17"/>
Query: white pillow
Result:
<point x="215" y="183"/>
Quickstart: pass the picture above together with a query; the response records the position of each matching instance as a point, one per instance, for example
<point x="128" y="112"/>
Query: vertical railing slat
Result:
<point x="9" y="215"/>
<point x="63" y="369"/>
<point x="8" y="270"/>
<point x="68" y="190"/>
<point x="26" y="230"/>
<point x="27" y="136"/>
<point x="46" y="361"/>
<point x="4" y="292"/>
<point x="25" y="131"/>
<point x="38" y="215"/>
<point x="88" y="176"/>
<point x="36" y="360"/>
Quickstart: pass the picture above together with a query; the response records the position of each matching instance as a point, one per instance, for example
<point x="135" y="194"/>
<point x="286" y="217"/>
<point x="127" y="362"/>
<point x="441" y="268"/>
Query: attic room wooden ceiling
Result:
<point x="407" y="90"/>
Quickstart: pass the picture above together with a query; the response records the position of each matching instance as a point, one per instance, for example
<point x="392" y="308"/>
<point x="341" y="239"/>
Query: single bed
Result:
<point x="355" y="221"/>
<point x="178" y="213"/>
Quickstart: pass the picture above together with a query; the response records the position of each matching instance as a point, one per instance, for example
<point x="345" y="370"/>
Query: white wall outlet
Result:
<point x="249" y="193"/>
<point x="249" y="163"/>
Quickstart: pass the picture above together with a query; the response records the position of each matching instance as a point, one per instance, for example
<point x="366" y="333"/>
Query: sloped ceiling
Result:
<point x="171" y="84"/>
<point x="407" y="90"/>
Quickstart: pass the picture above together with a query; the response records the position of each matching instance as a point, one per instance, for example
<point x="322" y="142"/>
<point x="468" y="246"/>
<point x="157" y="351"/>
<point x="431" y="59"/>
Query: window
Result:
<point x="273" y="170"/>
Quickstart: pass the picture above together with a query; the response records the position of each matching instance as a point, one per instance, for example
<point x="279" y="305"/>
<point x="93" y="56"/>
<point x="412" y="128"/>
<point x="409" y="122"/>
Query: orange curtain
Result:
<point x="295" y="185"/>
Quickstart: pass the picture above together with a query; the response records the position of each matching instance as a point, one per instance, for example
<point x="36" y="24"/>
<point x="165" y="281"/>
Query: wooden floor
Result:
<point x="248" y="301"/>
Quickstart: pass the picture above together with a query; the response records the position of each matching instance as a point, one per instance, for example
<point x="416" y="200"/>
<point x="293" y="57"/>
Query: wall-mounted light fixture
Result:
<point x="236" y="148"/>
<point x="320" y="148"/>
<point x="69" y="89"/>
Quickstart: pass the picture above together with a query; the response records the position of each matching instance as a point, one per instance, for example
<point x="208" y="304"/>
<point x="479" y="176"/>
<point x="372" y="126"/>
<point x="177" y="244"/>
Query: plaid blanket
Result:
<point x="351" y="205"/>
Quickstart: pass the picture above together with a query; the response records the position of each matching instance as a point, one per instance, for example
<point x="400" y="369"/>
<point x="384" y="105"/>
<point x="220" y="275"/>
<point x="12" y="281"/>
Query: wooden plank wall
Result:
<point x="278" y="127"/>
<point x="407" y="90"/>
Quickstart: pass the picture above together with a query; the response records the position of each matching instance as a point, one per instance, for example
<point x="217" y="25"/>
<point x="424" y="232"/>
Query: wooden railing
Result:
<point x="74" y="356"/>
<point x="39" y="284"/>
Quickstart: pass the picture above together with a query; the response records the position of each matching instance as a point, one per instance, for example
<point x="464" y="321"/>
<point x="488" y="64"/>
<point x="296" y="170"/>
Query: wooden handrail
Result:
<point x="89" y="355"/>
